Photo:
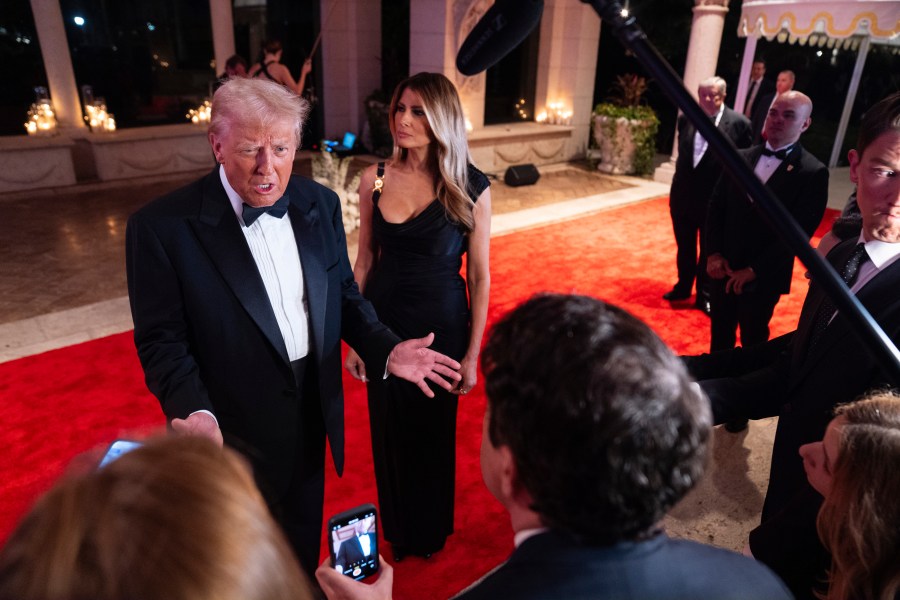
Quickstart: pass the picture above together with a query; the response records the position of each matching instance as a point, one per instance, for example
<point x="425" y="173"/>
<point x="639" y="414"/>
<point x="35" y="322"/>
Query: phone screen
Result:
<point x="353" y="538"/>
<point x="117" y="449"/>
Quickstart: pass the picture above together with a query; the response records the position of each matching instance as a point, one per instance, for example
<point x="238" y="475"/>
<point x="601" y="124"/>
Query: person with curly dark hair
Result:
<point x="592" y="432"/>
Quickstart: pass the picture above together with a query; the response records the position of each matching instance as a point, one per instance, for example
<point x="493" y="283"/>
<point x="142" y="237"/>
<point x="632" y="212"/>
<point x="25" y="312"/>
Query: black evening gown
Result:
<point x="416" y="288"/>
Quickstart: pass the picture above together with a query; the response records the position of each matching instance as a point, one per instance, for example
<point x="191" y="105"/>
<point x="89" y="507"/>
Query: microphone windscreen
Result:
<point x="502" y="28"/>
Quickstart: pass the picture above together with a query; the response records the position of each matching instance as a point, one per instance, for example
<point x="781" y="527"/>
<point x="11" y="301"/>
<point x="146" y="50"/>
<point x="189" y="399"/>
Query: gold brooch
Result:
<point x="379" y="183"/>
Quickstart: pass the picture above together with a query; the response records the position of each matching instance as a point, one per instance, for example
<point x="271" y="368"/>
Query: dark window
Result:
<point x="151" y="60"/>
<point x="21" y="65"/>
<point x="394" y="44"/>
<point x="511" y="82"/>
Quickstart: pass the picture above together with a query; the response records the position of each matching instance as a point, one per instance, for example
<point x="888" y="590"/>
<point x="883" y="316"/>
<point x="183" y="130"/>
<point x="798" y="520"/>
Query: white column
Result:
<point x="351" y="48"/>
<point x="702" y="56"/>
<point x="740" y="94"/>
<point x="430" y="38"/>
<point x="437" y="30"/>
<point x="567" y="64"/>
<point x="222" y="31"/>
<point x="848" y="101"/>
<point x="48" y="21"/>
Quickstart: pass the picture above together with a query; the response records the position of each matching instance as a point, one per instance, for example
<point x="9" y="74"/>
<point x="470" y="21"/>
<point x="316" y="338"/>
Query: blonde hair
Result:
<point x="450" y="155"/>
<point x="177" y="519"/>
<point x="859" y="522"/>
<point x="256" y="103"/>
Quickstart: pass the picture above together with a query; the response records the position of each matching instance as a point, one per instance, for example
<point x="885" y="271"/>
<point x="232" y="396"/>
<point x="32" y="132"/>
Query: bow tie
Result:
<point x="779" y="154"/>
<point x="252" y="213"/>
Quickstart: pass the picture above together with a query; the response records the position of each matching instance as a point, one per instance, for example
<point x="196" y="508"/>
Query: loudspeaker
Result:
<point x="518" y="175"/>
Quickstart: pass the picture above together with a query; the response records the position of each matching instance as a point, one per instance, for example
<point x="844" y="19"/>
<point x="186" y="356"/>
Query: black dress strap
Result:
<point x="379" y="183"/>
<point x="265" y="71"/>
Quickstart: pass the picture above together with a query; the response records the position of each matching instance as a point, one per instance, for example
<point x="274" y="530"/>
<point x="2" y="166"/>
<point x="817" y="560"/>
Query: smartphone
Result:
<point x="353" y="540"/>
<point x="117" y="449"/>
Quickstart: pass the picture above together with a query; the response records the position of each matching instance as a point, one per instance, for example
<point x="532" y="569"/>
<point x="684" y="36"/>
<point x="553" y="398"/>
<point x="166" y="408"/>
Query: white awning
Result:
<point x="800" y="19"/>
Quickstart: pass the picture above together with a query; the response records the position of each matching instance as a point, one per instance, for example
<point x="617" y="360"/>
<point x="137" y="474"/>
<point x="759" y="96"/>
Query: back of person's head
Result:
<point x="256" y="103"/>
<point x="272" y="46"/>
<point x="444" y="113"/>
<point x="884" y="116"/>
<point x="859" y="521"/>
<point x="605" y="428"/>
<point x="235" y="61"/>
<point x="176" y="519"/>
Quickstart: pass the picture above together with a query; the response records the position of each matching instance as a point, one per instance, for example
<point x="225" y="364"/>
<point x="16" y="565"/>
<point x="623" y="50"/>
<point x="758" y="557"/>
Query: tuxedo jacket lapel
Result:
<point x="220" y="234"/>
<point x="304" y="214"/>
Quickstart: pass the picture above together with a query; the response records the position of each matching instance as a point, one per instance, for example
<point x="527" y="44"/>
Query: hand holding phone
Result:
<point x="353" y="540"/>
<point x="337" y="586"/>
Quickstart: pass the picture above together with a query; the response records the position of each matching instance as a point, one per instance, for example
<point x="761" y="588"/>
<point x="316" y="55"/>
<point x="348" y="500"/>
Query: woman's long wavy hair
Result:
<point x="859" y="522"/>
<point x="449" y="156"/>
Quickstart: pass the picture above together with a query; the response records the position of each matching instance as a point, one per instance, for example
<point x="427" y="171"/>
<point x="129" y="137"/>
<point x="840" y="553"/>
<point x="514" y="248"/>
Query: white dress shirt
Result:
<point x="881" y="256"/>
<point x="274" y="249"/>
<point x="766" y="165"/>
<point x="700" y="143"/>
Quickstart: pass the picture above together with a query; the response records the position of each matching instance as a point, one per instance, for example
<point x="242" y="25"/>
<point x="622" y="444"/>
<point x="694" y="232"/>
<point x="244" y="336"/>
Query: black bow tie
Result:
<point x="252" y="213"/>
<point x="779" y="154"/>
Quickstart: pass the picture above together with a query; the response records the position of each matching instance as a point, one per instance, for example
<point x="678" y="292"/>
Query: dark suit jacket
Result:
<point x="550" y="565"/>
<point x="205" y="331"/>
<point x="736" y="230"/>
<point x="759" y="110"/>
<point x="351" y="551"/>
<point x="692" y="186"/>
<point x="784" y="377"/>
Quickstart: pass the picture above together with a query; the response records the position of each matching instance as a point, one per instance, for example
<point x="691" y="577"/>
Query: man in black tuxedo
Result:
<point x="759" y="97"/>
<point x="749" y="266"/>
<point x="592" y="432"/>
<point x="696" y="171"/>
<point x="356" y="549"/>
<point x="241" y="291"/>
<point x="802" y="376"/>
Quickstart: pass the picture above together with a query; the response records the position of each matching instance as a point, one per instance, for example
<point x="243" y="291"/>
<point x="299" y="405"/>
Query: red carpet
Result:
<point x="62" y="403"/>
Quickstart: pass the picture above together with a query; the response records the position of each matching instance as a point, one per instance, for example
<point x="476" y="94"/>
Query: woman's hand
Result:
<point x="469" y="371"/>
<point x="355" y="365"/>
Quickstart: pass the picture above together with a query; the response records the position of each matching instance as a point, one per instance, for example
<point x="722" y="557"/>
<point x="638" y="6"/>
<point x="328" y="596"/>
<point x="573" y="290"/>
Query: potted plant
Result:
<point x="331" y="171"/>
<point x="624" y="129"/>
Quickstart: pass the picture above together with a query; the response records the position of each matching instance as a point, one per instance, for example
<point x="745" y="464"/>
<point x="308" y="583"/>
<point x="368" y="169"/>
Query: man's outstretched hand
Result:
<point x="199" y="424"/>
<point x="413" y="361"/>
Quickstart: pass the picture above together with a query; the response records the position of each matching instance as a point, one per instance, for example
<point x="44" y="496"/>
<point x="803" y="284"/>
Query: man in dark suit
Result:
<point x="749" y="266"/>
<point x="758" y="99"/>
<point x="696" y="172"/>
<point x="801" y="376"/>
<point x="783" y="83"/>
<point x="356" y="549"/>
<point x="241" y="291"/>
<point x="592" y="432"/>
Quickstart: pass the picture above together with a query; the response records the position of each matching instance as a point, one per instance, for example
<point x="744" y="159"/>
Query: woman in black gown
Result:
<point x="418" y="214"/>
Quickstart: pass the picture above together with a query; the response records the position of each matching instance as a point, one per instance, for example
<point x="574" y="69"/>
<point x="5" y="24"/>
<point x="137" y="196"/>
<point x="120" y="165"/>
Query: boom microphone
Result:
<point x="503" y="27"/>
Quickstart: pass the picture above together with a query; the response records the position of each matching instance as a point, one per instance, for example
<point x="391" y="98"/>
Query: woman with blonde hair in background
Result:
<point x="176" y="519"/>
<point x="856" y="467"/>
<point x="419" y="214"/>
